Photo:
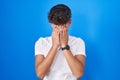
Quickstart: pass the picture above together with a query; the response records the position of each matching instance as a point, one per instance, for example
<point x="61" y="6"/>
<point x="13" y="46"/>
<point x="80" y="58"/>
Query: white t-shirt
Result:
<point x="60" y="69"/>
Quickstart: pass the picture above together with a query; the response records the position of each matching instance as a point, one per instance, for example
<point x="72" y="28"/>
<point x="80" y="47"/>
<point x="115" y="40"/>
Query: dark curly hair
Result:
<point x="59" y="14"/>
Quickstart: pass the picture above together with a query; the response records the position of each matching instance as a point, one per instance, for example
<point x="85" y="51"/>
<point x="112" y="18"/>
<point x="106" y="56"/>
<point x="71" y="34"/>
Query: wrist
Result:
<point x="54" y="47"/>
<point x="67" y="47"/>
<point x="64" y="45"/>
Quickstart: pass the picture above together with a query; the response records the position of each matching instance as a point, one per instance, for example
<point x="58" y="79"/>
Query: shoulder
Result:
<point x="76" y="39"/>
<point x="77" y="45"/>
<point x="43" y="40"/>
<point x="42" y="45"/>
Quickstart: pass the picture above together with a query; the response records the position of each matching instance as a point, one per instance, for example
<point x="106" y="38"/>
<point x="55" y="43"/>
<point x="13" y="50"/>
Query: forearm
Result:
<point x="44" y="66"/>
<point x="76" y="66"/>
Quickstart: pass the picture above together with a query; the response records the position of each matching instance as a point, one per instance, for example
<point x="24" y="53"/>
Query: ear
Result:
<point x="69" y="23"/>
<point x="53" y="25"/>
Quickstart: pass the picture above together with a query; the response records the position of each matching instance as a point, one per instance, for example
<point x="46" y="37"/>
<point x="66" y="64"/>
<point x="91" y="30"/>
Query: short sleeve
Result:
<point x="39" y="47"/>
<point x="80" y="47"/>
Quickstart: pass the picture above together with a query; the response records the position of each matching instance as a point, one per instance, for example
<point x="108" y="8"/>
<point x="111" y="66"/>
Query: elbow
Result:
<point x="79" y="74"/>
<point x="40" y="75"/>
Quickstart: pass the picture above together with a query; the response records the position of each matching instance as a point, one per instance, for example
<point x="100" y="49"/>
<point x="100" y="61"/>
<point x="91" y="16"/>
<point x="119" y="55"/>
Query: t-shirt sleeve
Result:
<point x="39" y="47"/>
<point x="80" y="47"/>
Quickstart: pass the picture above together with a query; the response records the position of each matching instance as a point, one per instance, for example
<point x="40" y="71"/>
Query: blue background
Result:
<point x="22" y="22"/>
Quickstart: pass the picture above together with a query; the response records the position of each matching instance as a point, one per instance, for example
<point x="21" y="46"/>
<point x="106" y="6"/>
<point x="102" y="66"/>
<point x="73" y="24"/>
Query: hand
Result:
<point x="55" y="37"/>
<point x="63" y="36"/>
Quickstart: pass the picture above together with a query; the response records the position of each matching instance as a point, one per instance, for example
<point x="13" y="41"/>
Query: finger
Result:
<point x="62" y="30"/>
<point x="56" y="29"/>
<point x="53" y="33"/>
<point x="58" y="32"/>
<point x="65" y="31"/>
<point x="64" y="25"/>
<point x="59" y="28"/>
<point x="61" y="34"/>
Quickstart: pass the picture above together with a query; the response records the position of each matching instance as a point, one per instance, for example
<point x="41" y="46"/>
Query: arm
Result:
<point x="76" y="63"/>
<point x="43" y="64"/>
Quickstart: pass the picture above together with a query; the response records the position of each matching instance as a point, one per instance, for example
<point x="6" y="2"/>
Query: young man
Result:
<point x="60" y="56"/>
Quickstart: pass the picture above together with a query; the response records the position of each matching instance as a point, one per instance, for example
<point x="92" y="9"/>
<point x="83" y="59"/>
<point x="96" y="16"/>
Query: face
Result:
<point x="66" y="25"/>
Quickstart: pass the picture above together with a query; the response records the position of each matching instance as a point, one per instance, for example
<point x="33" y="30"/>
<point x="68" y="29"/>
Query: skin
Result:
<point x="60" y="38"/>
